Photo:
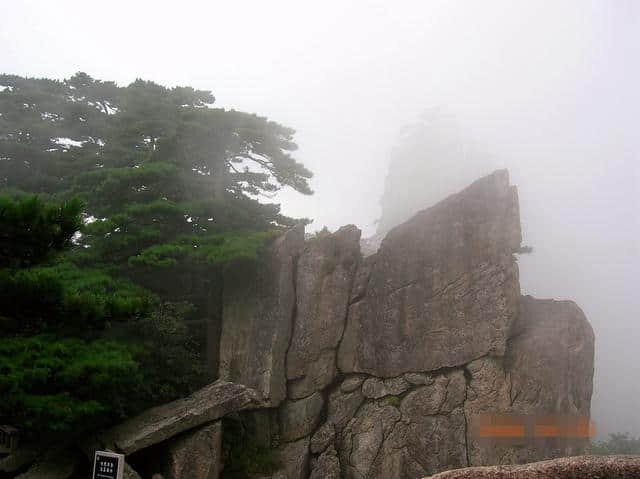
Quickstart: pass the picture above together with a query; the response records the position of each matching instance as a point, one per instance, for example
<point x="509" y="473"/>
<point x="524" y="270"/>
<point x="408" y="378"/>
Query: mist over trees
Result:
<point x="119" y="208"/>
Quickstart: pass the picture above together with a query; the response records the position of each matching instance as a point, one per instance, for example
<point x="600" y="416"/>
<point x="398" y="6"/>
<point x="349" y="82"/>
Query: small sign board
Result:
<point x="108" y="465"/>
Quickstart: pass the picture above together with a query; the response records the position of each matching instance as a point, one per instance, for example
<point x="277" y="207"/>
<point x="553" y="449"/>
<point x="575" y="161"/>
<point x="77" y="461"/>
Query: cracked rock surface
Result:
<point x="393" y="360"/>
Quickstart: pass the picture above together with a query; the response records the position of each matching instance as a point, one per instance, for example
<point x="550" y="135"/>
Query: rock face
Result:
<point x="258" y="307"/>
<point x="325" y="272"/>
<point x="299" y="418"/>
<point x="545" y="376"/>
<point x="196" y="454"/>
<point x="396" y="361"/>
<point x="442" y="289"/>
<point x="619" y="467"/>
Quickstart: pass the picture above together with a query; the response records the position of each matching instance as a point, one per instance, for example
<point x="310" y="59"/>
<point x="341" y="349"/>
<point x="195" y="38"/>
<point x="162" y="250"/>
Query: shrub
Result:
<point x="54" y="385"/>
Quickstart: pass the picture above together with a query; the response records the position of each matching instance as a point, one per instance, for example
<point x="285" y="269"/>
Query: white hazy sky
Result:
<point x="551" y="86"/>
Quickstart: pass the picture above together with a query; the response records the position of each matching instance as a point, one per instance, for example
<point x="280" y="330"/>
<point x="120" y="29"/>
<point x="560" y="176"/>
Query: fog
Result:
<point x="548" y="88"/>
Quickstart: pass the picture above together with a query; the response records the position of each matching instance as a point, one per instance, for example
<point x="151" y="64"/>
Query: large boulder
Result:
<point x="443" y="288"/>
<point x="163" y="422"/>
<point x="550" y="358"/>
<point x="545" y="378"/>
<point x="258" y="305"/>
<point x="618" y="467"/>
<point x="325" y="273"/>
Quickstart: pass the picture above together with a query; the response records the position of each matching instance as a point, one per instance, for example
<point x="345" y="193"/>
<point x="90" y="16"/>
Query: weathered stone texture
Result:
<point x="327" y="466"/>
<point x="325" y="273"/>
<point x="258" y="306"/>
<point x="376" y="388"/>
<point x="442" y="290"/>
<point x="195" y="454"/>
<point x="550" y="358"/>
<point x="299" y="418"/>
<point x="352" y="382"/>
<point x="342" y="407"/>
<point x="424" y="434"/>
<point x="295" y="459"/>
<point x="322" y="438"/>
<point x="547" y="372"/>
<point x="619" y="467"/>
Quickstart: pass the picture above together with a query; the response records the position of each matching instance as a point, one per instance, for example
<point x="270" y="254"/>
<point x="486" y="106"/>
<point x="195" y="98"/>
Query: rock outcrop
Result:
<point x="258" y="306"/>
<point x="442" y="289"/>
<point x="419" y="358"/>
<point x="326" y="269"/>
<point x="395" y="360"/>
<point x="544" y="378"/>
<point x="618" y="467"/>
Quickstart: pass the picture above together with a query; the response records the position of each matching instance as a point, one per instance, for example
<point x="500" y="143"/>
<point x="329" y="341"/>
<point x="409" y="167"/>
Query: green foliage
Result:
<point x="31" y="231"/>
<point x="56" y="385"/>
<point x="214" y="250"/>
<point x="619" y="443"/>
<point x="65" y="297"/>
<point x="166" y="353"/>
<point x="392" y="401"/>
<point x="169" y="186"/>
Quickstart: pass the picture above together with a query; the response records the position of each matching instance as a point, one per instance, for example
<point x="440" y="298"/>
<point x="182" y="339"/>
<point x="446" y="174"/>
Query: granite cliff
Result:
<point x="386" y="366"/>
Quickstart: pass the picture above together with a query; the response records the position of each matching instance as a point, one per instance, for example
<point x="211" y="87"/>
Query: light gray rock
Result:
<point x="352" y="383"/>
<point x="342" y="407"/>
<point x="550" y="358"/>
<point x="562" y="468"/>
<point x="195" y="454"/>
<point x="443" y="396"/>
<point x="325" y="273"/>
<point x="362" y="439"/>
<point x="547" y="373"/>
<point x="442" y="290"/>
<point x="294" y="456"/>
<point x="376" y="388"/>
<point x="258" y="304"/>
<point x="163" y="422"/>
<point x="436" y="443"/>
<point x="322" y="438"/>
<point x="299" y="418"/>
<point x="425" y="434"/>
<point x="327" y="466"/>
<point x="418" y="378"/>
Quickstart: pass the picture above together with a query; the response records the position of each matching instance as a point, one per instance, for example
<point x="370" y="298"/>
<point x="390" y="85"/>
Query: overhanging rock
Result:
<point x="163" y="422"/>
